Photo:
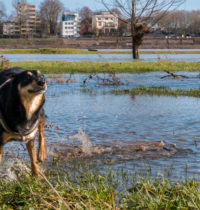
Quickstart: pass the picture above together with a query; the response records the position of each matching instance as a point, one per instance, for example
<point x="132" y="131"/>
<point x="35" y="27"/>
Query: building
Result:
<point x="9" y="28"/>
<point x="70" y="25"/>
<point x="105" y="22"/>
<point x="26" y="19"/>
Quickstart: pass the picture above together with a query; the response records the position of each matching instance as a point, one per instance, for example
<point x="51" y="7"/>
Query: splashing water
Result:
<point x="86" y="144"/>
<point x="13" y="169"/>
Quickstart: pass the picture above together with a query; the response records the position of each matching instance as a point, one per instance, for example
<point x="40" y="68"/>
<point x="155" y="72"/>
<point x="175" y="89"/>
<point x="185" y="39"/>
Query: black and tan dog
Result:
<point x="21" y="111"/>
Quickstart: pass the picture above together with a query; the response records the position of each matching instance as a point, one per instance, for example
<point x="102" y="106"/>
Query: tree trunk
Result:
<point x="135" y="47"/>
<point x="133" y="24"/>
<point x="52" y="28"/>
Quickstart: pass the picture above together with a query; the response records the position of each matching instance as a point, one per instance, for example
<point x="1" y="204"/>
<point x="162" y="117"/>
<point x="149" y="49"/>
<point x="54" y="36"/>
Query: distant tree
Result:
<point x="50" y="11"/>
<point x="22" y="16"/>
<point x="2" y="11"/>
<point x="183" y="22"/>
<point x="85" y="13"/>
<point x="138" y="12"/>
<point x="86" y="20"/>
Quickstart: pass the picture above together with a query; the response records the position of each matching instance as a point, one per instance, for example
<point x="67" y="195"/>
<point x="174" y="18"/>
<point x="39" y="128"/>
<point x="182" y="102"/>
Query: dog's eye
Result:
<point x="27" y="79"/>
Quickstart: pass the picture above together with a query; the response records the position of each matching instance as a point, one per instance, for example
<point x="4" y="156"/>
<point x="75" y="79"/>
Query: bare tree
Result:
<point x="142" y="15"/>
<point x="2" y="11"/>
<point x="181" y="22"/>
<point x="50" y="11"/>
<point x="85" y="13"/>
<point x="86" y="21"/>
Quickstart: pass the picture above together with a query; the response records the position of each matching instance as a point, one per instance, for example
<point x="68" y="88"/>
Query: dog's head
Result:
<point x="31" y="83"/>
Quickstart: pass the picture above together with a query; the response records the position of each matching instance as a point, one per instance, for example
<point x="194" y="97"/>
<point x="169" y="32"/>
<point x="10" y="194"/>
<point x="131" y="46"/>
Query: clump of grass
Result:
<point x="59" y="67"/>
<point x="95" y="190"/>
<point x="159" y="91"/>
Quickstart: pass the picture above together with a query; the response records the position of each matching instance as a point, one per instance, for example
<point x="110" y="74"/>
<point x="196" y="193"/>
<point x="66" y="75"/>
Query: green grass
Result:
<point x="159" y="91"/>
<point x="80" y="51"/>
<point x="51" y="67"/>
<point x="94" y="190"/>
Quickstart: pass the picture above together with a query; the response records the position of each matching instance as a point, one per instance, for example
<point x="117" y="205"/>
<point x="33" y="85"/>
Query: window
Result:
<point x="99" y="18"/>
<point x="100" y="24"/>
<point x="106" y="18"/>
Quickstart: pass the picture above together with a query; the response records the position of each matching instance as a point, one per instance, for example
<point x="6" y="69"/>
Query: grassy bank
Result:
<point x="159" y="91"/>
<point x="81" y="51"/>
<point x="49" y="67"/>
<point x="94" y="190"/>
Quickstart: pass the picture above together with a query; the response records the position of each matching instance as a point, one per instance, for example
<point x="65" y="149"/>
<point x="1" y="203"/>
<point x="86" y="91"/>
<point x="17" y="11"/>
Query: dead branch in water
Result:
<point x="174" y="76"/>
<point x="110" y="79"/>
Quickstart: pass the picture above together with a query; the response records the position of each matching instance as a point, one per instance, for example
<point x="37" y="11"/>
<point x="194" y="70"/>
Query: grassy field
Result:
<point x="80" y="51"/>
<point x="94" y="190"/>
<point x="51" y="67"/>
<point x="159" y="91"/>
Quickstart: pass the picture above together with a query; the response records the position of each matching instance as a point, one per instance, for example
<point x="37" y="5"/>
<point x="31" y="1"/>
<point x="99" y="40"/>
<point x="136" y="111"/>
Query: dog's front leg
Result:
<point x="41" y="149"/>
<point x="32" y="153"/>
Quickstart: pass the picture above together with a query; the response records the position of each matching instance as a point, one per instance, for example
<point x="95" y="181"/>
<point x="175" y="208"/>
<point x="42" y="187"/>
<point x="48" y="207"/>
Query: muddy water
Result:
<point x="111" y="122"/>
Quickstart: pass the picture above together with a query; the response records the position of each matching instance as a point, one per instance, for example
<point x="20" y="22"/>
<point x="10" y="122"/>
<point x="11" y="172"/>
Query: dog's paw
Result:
<point x="41" y="155"/>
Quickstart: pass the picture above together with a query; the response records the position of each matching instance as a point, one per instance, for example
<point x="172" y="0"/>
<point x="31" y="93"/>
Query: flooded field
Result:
<point x="100" y="57"/>
<point x="140" y="133"/>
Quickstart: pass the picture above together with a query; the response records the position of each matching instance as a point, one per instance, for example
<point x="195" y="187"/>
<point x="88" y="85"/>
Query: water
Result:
<point x="128" y="81"/>
<point x="110" y="118"/>
<point x="98" y="57"/>
<point x="94" y="119"/>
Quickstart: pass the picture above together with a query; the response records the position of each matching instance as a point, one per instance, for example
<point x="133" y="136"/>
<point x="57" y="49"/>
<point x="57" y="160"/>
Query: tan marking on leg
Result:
<point x="31" y="150"/>
<point x="6" y="137"/>
<point x="41" y="149"/>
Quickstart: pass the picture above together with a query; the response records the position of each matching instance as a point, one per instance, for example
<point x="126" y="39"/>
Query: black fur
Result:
<point x="11" y="106"/>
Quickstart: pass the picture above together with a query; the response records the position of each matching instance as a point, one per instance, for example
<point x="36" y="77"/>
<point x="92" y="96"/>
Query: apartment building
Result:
<point x="26" y="19"/>
<point x="70" y="25"/>
<point x="105" y="22"/>
<point x="8" y="28"/>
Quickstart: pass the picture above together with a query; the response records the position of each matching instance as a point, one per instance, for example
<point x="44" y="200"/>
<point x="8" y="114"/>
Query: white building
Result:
<point x="105" y="22"/>
<point x="9" y="28"/>
<point x="70" y="25"/>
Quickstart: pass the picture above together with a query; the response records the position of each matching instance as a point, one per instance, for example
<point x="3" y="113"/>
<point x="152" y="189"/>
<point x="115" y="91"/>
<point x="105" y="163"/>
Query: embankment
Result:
<point x="100" y="43"/>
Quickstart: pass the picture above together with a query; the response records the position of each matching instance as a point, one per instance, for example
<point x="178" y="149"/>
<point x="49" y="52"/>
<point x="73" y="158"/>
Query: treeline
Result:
<point x="50" y="11"/>
<point x="181" y="22"/>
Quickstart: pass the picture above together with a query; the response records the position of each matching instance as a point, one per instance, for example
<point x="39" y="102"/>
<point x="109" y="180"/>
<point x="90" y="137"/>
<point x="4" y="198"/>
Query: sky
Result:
<point x="74" y="5"/>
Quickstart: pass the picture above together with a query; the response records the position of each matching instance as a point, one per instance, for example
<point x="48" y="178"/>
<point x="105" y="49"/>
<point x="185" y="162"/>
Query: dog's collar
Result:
<point x="22" y="135"/>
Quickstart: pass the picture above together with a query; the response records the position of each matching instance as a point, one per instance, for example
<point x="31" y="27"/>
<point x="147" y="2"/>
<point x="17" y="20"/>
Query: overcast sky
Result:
<point x="73" y="5"/>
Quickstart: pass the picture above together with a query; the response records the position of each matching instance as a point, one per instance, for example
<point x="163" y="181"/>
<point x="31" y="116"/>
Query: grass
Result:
<point x="57" y="67"/>
<point x="95" y="190"/>
<point x="81" y="51"/>
<point x="159" y="91"/>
